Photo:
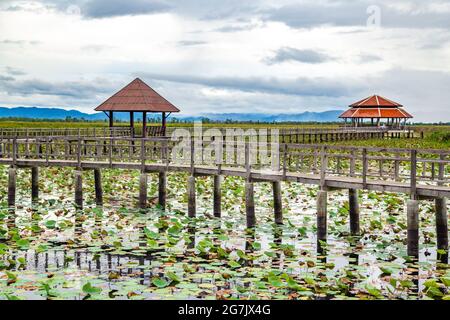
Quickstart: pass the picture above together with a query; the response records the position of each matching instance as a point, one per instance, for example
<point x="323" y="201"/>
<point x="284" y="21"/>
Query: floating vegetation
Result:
<point x="49" y="250"/>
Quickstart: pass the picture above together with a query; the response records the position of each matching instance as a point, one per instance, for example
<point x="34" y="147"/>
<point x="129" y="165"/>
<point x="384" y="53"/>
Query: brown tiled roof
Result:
<point x="375" y="113"/>
<point x="376" y="107"/>
<point x="137" y="96"/>
<point x="376" y="101"/>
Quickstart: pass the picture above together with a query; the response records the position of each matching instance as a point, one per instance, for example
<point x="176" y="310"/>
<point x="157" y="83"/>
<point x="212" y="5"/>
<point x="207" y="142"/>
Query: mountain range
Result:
<point x="62" y="114"/>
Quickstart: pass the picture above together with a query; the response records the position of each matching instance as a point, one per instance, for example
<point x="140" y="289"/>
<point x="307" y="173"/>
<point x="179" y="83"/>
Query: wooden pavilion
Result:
<point x="139" y="97"/>
<point x="379" y="110"/>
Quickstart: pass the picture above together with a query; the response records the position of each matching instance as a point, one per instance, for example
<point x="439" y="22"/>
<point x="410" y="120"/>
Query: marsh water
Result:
<point x="49" y="250"/>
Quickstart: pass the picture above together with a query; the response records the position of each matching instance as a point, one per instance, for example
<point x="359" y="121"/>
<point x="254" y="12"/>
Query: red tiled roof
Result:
<point x="375" y="113"/>
<point x="137" y="96"/>
<point x="376" y="101"/>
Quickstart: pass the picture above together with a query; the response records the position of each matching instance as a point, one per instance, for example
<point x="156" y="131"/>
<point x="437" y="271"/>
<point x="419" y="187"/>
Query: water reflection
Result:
<point x="278" y="241"/>
<point x="133" y="258"/>
<point x="191" y="231"/>
<point x="250" y="239"/>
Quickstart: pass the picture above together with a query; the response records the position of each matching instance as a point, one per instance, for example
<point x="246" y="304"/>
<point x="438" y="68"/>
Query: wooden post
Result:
<point x="441" y="223"/>
<point x="217" y="196"/>
<point x="365" y="168"/>
<point x="143" y="180"/>
<point x="354" y="212"/>
<point x="397" y="167"/>
<point x="277" y="202"/>
<point x="144" y="124"/>
<point x="12" y="181"/>
<point x="413" y="175"/>
<point x="78" y="189"/>
<point x="412" y="209"/>
<point x="163" y="119"/>
<point x="132" y="123"/>
<point x="111" y="119"/>
<point x="98" y="187"/>
<point x="352" y="163"/>
<point x="191" y="197"/>
<point x="250" y="204"/>
<point x="322" y="197"/>
<point x="34" y="184"/>
<point x="323" y="166"/>
<point x="162" y="182"/>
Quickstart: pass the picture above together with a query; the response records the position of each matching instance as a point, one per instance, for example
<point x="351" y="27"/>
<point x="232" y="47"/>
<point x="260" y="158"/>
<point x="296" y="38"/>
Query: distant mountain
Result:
<point x="62" y="114"/>
<point x="327" y="116"/>
<point x="47" y="113"/>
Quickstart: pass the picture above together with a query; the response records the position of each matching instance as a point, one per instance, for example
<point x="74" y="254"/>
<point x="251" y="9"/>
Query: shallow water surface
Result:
<point x="50" y="250"/>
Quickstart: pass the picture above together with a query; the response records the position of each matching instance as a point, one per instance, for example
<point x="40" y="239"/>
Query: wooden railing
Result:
<point x="385" y="165"/>
<point x="24" y="133"/>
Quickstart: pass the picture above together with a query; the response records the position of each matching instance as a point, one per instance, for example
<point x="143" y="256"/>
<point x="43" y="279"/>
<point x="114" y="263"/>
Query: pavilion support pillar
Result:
<point x="192" y="208"/>
<point x="111" y="119"/>
<point x="164" y="119"/>
<point x="132" y="123"/>
<point x="441" y="223"/>
<point x="412" y="209"/>
<point x="98" y="187"/>
<point x="277" y="202"/>
<point x="34" y="184"/>
<point x="12" y="182"/>
<point x="217" y="196"/>
<point x="144" y="124"/>
<point x="354" y="212"/>
<point x="78" y="189"/>
<point x="162" y="192"/>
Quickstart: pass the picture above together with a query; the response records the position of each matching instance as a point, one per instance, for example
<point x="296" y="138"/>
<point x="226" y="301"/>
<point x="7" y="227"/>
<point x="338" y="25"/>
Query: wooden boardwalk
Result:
<point x="292" y="135"/>
<point x="422" y="174"/>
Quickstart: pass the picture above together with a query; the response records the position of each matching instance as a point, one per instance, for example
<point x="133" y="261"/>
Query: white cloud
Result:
<point x="211" y="56"/>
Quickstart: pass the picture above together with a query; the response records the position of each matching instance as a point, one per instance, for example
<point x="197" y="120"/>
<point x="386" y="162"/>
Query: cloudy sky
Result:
<point x="271" y="56"/>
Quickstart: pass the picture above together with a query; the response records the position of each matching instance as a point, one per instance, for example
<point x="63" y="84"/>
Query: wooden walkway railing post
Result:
<point x="442" y="215"/>
<point x="365" y="165"/>
<point x="12" y="182"/>
<point x="322" y="198"/>
<point x="162" y="185"/>
<point x="413" y="175"/>
<point x="98" y="187"/>
<point x="249" y="191"/>
<point x="277" y="202"/>
<point x="14" y="151"/>
<point x="143" y="178"/>
<point x="412" y="209"/>
<point x="34" y="184"/>
<point x="192" y="206"/>
<point x="78" y="177"/>
<point x="143" y="181"/>
<point x="354" y="212"/>
<point x="217" y="196"/>
<point x="323" y="167"/>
